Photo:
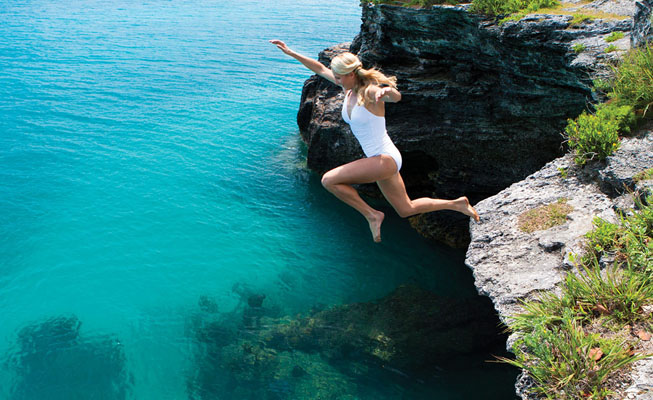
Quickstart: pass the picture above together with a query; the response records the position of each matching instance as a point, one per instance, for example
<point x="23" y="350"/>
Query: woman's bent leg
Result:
<point x="367" y="170"/>
<point x="394" y="190"/>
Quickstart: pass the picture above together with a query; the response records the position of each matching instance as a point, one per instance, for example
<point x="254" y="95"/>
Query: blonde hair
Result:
<point x="344" y="63"/>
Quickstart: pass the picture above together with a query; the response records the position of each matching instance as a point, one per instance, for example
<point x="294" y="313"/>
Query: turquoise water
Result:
<point x="149" y="156"/>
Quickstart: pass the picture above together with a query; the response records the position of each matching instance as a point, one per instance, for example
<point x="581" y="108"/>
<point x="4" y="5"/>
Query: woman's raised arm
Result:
<point x="309" y="63"/>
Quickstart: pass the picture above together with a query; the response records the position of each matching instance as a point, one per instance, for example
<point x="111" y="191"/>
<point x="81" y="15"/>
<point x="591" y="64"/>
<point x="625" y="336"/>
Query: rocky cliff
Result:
<point x="510" y="265"/>
<point x="483" y="103"/>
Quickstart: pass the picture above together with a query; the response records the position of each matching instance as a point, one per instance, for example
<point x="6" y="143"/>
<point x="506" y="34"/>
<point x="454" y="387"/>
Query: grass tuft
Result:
<point x="633" y="82"/>
<point x="611" y="48"/>
<point x="579" y="48"/>
<point x="544" y="217"/>
<point x="646" y="175"/>
<point x="614" y="36"/>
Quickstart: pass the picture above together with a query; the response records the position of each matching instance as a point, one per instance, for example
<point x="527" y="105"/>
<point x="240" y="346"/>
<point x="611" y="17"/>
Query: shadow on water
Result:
<point x="52" y="361"/>
<point x="410" y="344"/>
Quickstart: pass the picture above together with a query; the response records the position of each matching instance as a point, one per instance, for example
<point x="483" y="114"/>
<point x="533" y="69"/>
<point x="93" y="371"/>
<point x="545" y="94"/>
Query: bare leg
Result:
<point x="394" y="190"/>
<point x="367" y="170"/>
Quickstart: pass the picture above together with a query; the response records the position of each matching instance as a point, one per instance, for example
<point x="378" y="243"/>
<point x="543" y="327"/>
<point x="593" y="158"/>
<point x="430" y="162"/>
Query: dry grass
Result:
<point x="544" y="217"/>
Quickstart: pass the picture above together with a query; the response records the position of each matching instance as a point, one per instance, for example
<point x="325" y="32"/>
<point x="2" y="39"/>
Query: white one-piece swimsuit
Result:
<point x="370" y="131"/>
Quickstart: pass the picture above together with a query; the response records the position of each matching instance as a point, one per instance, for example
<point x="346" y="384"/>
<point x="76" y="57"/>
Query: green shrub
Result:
<point x="591" y="137"/>
<point x="614" y="36"/>
<point x="623" y="115"/>
<point x="633" y="82"/>
<point x="611" y="48"/>
<point x="579" y="48"/>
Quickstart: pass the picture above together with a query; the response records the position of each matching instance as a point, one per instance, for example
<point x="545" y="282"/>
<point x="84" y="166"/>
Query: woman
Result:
<point x="366" y="92"/>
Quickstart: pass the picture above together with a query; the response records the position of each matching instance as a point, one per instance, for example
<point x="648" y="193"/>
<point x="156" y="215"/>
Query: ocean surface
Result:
<point x="151" y="170"/>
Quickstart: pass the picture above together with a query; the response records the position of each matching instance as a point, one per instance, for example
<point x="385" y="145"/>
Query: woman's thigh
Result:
<point x="394" y="190"/>
<point x="365" y="170"/>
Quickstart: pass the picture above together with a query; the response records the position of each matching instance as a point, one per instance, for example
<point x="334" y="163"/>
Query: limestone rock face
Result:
<point x="510" y="265"/>
<point x="642" y="23"/>
<point x="483" y="104"/>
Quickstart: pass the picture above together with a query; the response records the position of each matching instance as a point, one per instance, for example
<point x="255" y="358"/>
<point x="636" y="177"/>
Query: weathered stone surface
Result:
<point x="483" y="105"/>
<point x="642" y="23"/>
<point x="634" y="156"/>
<point x="510" y="265"/>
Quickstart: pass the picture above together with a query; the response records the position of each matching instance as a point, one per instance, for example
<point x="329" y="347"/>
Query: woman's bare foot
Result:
<point x="375" y="221"/>
<point x="462" y="205"/>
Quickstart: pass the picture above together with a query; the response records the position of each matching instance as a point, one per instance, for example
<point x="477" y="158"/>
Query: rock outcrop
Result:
<point x="483" y="104"/>
<point x="408" y="334"/>
<point x="409" y="329"/>
<point x="510" y="265"/>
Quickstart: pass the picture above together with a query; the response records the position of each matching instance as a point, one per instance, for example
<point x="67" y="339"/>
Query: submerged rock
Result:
<point x="53" y="361"/>
<point x="328" y="353"/>
<point x="409" y="329"/>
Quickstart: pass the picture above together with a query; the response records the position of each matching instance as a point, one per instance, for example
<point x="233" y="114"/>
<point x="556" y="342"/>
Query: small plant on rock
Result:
<point x="611" y="48"/>
<point x="579" y="48"/>
<point x="614" y="36"/>
<point x="591" y="137"/>
<point x="579" y="19"/>
<point x="644" y="175"/>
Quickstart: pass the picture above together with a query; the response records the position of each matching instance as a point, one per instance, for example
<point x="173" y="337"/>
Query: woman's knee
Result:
<point x="328" y="180"/>
<point x="405" y="212"/>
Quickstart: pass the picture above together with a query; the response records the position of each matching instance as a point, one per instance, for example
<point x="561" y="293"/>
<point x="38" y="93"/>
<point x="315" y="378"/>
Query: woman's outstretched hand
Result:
<point x="381" y="93"/>
<point x="281" y="45"/>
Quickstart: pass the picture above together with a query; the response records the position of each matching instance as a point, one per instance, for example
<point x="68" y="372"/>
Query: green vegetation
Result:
<point x="572" y="343"/>
<point x="596" y="136"/>
<point x="512" y="17"/>
<point x="564" y="174"/>
<point x="579" y="48"/>
<point x="602" y="85"/>
<point x="633" y="82"/>
<point x="501" y="7"/>
<point x="614" y="36"/>
<point x="544" y="217"/>
<point x="644" y="175"/>
<point x="611" y="48"/>
<point x="412" y="3"/>
<point x="579" y="19"/>
<point x="624" y="116"/>
<point x="591" y="137"/>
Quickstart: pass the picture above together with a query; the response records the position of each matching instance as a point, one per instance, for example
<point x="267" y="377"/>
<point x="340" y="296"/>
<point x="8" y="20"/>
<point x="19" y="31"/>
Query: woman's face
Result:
<point x="347" y="81"/>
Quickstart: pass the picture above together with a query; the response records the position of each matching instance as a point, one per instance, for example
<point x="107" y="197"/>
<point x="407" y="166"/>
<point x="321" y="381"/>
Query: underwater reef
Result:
<point x="53" y="361"/>
<point x="327" y="353"/>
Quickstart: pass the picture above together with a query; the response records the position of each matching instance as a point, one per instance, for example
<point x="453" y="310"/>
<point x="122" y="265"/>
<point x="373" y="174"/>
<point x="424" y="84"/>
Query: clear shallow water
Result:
<point x="149" y="156"/>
